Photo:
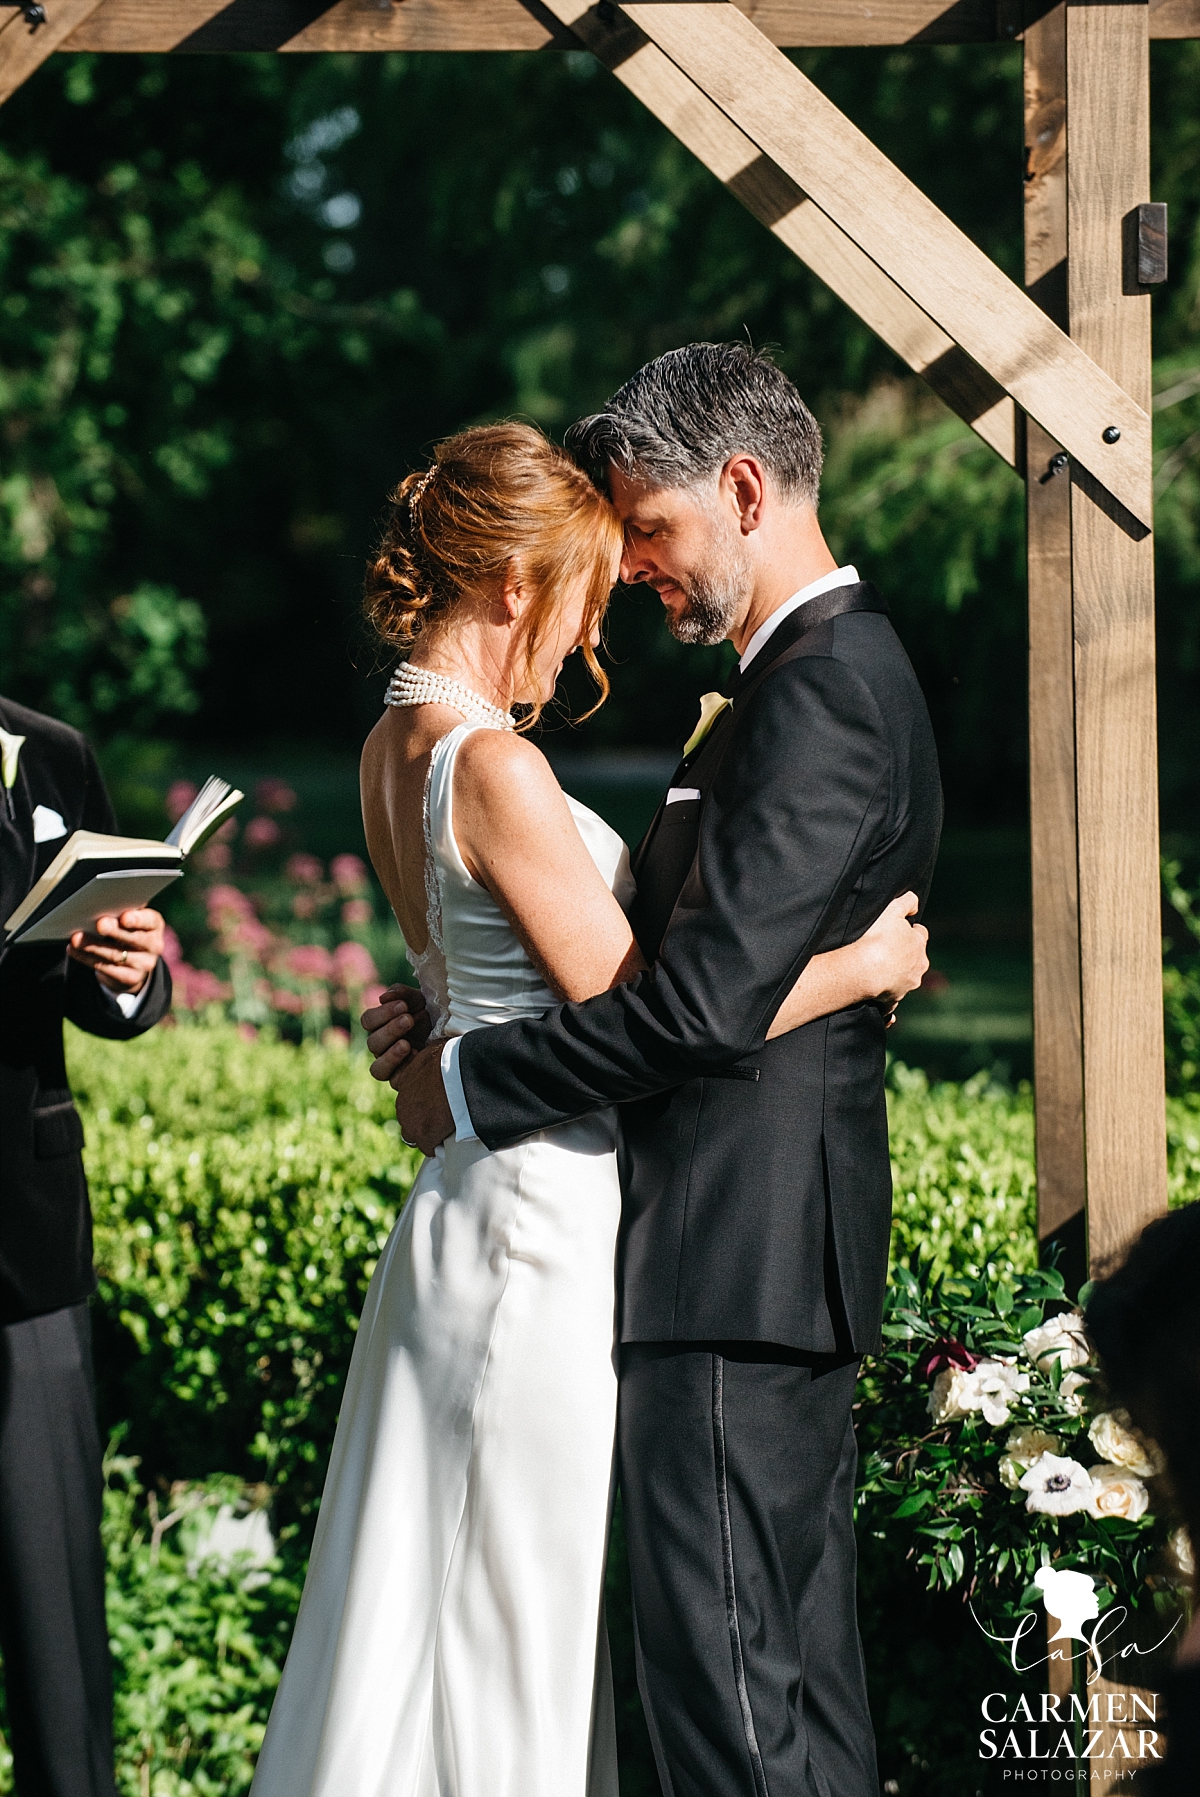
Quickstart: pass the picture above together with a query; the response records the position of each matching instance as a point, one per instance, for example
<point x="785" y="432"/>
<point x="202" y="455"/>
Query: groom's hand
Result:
<point x="396" y="1028"/>
<point x="422" y="1109"/>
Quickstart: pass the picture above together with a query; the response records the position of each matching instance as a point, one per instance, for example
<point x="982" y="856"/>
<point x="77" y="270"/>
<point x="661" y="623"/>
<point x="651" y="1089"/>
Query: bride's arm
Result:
<point x="889" y="960"/>
<point x="517" y="836"/>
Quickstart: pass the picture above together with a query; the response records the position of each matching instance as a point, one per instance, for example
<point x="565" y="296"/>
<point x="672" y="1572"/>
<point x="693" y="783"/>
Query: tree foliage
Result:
<point x="244" y="294"/>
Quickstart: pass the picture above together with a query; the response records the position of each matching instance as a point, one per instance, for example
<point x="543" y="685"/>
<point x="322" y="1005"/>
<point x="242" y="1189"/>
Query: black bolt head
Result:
<point x="1111" y="434"/>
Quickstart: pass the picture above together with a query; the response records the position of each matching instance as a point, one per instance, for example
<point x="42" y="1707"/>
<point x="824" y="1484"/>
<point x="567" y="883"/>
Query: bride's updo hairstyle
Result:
<point x="494" y="495"/>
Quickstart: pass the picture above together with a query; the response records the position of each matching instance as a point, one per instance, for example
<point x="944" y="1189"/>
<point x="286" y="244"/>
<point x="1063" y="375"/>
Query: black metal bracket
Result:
<point x="33" y="13"/>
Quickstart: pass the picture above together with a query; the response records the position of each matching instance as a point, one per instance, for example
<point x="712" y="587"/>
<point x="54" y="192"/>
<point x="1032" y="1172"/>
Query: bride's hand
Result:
<point x="895" y="951"/>
<point x="396" y="1028"/>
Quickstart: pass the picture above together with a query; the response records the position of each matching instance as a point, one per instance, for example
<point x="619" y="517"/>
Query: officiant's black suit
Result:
<point x="756" y="1197"/>
<point x="52" y="1627"/>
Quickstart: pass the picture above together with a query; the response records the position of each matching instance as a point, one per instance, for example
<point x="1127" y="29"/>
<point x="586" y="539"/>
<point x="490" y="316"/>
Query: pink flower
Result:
<point x="195" y="987"/>
<point x="353" y="964"/>
<point x="348" y="873"/>
<point x="227" y="903"/>
<point x="215" y="858"/>
<point x="227" y="831"/>
<point x="357" y="911"/>
<point x="371" y="996"/>
<point x="334" y="1037"/>
<point x="251" y="937"/>
<point x="261" y="833"/>
<point x="275" y="795"/>
<point x="303" y="870"/>
<point x="179" y="796"/>
<point x="172" y="949"/>
<point x="309" y="962"/>
<point x="287" y="1001"/>
<point x="247" y="1032"/>
<point x="305" y="904"/>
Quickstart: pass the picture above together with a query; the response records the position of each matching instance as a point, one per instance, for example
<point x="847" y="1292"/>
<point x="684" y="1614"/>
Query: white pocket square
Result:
<point x="678" y="794"/>
<point x="47" y="825"/>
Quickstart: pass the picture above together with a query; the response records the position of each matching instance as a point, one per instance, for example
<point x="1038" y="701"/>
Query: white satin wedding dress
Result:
<point x="451" y="1640"/>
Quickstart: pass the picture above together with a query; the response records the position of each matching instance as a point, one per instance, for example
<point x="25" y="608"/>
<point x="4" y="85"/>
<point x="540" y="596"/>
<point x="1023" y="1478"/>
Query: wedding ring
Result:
<point x="124" y="957"/>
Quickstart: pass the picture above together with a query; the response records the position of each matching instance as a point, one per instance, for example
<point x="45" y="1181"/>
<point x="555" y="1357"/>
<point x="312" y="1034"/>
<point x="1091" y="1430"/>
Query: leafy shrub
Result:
<point x="243" y="1189"/>
<point x="242" y="1192"/>
<point x="962" y="1167"/>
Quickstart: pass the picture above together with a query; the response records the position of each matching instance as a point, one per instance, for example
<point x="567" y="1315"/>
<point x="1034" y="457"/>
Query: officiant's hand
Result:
<point x="396" y="1028"/>
<point x="122" y="951"/>
<point x="422" y="1108"/>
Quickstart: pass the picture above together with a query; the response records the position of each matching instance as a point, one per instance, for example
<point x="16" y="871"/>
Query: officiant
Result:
<point x="114" y="983"/>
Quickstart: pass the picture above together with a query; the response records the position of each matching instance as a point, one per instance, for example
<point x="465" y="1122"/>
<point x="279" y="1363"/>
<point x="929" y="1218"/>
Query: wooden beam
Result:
<point x="24" y="48"/>
<point x="905" y="234"/>
<point x="369" y="25"/>
<point x="1057" y="1012"/>
<point x="1108" y="93"/>
<point x="779" y="204"/>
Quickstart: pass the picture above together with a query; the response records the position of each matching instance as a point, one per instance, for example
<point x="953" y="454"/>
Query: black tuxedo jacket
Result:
<point x="755" y="1175"/>
<point x="45" y="1219"/>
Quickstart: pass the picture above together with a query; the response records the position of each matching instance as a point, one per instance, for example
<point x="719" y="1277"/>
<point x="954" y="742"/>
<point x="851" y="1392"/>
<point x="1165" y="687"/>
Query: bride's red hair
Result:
<point x="495" y="495"/>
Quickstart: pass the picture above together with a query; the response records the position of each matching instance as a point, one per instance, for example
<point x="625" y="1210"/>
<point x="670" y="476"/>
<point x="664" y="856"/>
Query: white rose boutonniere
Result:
<point x="1116" y="1492"/>
<point x="1116" y="1440"/>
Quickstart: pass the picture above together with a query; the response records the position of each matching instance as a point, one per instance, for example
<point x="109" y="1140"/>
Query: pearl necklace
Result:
<point x="421" y="686"/>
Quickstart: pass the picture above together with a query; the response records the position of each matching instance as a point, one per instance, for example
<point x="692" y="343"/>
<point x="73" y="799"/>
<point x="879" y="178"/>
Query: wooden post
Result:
<point x="1108" y="176"/>
<point x="1057" y="1019"/>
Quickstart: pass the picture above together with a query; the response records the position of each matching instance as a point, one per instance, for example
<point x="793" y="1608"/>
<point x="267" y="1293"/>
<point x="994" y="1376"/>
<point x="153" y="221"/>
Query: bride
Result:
<point x="451" y="1642"/>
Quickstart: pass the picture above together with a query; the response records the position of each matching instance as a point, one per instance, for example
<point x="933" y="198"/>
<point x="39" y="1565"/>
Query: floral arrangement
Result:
<point x="986" y="1438"/>
<point x="270" y="935"/>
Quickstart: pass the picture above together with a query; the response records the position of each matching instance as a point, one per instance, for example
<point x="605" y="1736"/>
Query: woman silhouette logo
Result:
<point x="1070" y="1597"/>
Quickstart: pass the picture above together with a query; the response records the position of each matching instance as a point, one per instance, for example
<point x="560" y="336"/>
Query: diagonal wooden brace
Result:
<point x="906" y="236"/>
<point x="775" y="200"/>
<point x="24" y="48"/>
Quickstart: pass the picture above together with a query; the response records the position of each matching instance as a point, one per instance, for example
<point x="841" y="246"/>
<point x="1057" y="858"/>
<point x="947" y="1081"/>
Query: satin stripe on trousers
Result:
<point x="737" y="1481"/>
<point x="58" y="1681"/>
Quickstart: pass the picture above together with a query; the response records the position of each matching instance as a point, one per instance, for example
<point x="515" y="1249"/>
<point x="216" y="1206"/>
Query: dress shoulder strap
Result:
<point x="440" y="841"/>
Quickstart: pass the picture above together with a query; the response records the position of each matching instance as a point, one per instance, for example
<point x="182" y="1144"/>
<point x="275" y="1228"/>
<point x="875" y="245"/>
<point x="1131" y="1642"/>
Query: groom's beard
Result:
<point x="714" y="600"/>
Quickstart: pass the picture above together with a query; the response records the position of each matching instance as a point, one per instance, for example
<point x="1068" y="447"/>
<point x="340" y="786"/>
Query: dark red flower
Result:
<point x="945" y="1352"/>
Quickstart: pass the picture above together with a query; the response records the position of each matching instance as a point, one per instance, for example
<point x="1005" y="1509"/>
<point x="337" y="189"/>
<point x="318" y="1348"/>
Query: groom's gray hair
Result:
<point x="683" y="416"/>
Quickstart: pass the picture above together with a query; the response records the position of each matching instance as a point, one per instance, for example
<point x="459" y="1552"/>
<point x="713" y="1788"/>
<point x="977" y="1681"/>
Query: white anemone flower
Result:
<point x="1061" y="1339"/>
<point x="1115" y="1439"/>
<point x="1057" y="1486"/>
<point x="1117" y="1492"/>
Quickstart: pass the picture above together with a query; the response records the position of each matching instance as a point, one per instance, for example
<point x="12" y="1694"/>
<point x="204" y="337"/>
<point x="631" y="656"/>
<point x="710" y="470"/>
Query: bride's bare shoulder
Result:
<point x="505" y="773"/>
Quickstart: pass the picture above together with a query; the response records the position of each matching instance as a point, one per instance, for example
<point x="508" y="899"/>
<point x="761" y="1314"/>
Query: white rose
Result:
<point x="1116" y="1492"/>
<point x="1179" y="1546"/>
<point x="1115" y="1439"/>
<point x="1057" y="1486"/>
<point x="1026" y="1443"/>
<point x="952" y="1395"/>
<point x="1062" y="1339"/>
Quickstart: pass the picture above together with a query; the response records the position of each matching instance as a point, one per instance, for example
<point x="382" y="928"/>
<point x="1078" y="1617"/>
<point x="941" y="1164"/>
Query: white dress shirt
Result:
<point x="464" y="1129"/>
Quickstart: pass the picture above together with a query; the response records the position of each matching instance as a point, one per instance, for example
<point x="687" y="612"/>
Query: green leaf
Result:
<point x="919" y="1500"/>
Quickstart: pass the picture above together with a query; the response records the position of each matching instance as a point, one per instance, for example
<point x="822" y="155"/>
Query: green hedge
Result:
<point x="243" y="1190"/>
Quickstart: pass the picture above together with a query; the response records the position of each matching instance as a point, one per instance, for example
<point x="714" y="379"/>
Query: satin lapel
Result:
<point x="861" y="596"/>
<point x="16" y="835"/>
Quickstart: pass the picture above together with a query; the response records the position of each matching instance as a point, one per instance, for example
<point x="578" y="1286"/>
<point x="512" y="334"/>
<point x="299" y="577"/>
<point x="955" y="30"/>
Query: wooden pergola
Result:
<point x="1055" y="378"/>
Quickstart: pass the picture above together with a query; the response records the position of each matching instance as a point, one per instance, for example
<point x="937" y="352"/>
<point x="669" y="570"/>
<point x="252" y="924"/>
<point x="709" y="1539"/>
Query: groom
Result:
<point x="755" y="1174"/>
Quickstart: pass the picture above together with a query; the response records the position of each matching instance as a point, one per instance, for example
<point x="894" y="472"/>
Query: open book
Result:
<point x="99" y="876"/>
